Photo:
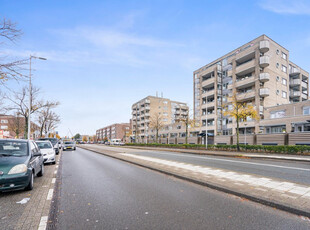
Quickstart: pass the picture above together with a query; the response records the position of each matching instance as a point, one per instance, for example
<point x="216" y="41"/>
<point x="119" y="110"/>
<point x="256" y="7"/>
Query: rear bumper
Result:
<point x="14" y="182"/>
<point x="49" y="159"/>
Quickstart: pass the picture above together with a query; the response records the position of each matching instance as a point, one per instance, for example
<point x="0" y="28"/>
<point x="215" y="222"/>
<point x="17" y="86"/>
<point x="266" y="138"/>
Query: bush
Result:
<point x="287" y="149"/>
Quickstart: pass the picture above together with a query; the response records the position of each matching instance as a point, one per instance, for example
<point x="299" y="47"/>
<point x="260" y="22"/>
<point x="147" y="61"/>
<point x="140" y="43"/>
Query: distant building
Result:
<point x="152" y="108"/>
<point x="115" y="131"/>
<point x="11" y="125"/>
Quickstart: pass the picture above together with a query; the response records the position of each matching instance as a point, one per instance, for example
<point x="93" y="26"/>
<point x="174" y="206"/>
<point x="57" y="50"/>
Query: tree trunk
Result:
<point x="26" y="128"/>
<point x="237" y="131"/>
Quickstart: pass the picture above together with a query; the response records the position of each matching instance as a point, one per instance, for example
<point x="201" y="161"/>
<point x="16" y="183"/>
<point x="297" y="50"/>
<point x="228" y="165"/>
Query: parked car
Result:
<point x="54" y="142"/>
<point x="48" y="151"/>
<point x="20" y="162"/>
<point x="116" y="142"/>
<point x="68" y="145"/>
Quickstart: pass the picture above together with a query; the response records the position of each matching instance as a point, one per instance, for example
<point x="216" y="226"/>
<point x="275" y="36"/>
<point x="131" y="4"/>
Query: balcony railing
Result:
<point x="247" y="81"/>
<point x="295" y="82"/>
<point x="246" y="67"/>
<point x="264" y="92"/>
<point x="246" y="95"/>
<point x="264" y="46"/>
<point x="295" y="93"/>
<point x="264" y="61"/>
<point x="263" y="77"/>
<point x="294" y="71"/>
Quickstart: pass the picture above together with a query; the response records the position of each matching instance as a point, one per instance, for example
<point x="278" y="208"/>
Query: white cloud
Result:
<point x="297" y="7"/>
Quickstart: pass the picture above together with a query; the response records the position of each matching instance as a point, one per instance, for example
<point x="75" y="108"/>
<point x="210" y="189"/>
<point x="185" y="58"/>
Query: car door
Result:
<point x="34" y="160"/>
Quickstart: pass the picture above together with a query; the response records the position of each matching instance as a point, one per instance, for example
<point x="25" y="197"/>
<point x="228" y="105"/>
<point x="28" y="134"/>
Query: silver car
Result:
<point x="68" y="145"/>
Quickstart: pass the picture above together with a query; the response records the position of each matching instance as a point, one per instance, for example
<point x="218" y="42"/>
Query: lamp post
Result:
<point x="206" y="125"/>
<point x="245" y="133"/>
<point x="30" y="95"/>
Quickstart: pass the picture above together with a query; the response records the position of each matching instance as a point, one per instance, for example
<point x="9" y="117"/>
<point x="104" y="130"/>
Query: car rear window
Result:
<point x="13" y="148"/>
<point x="69" y="143"/>
<point x="44" y="145"/>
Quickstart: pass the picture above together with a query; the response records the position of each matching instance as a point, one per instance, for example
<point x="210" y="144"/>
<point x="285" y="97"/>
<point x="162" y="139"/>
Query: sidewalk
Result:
<point x="291" y="197"/>
<point x="230" y="154"/>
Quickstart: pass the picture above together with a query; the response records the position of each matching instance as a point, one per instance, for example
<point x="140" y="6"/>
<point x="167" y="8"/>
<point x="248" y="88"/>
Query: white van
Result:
<point x="116" y="142"/>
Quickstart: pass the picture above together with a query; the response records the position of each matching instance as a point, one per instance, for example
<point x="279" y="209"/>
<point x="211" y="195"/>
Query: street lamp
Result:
<point x="30" y="96"/>
<point x="245" y="133"/>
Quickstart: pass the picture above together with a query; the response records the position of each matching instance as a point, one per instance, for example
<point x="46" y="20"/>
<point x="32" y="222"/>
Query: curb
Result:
<point x="241" y="155"/>
<point x="218" y="188"/>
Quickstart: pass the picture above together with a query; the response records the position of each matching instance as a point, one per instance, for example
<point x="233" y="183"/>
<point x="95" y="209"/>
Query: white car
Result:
<point x="47" y="151"/>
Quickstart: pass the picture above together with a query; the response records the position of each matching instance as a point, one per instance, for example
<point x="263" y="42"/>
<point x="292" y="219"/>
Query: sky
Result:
<point x="103" y="56"/>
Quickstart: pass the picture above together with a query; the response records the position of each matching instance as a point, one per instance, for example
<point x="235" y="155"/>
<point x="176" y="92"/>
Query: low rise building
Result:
<point x="115" y="131"/>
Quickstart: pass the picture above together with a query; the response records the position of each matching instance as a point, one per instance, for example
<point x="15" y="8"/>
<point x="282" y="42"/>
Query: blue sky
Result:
<point x="103" y="56"/>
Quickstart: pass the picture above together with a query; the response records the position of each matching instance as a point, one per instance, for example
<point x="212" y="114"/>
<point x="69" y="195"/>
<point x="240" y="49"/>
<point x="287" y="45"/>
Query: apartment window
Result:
<point x="284" y="81"/>
<point x="278" y="78"/>
<point x="276" y="129"/>
<point x="165" y="119"/>
<point x="284" y="68"/>
<point x="278" y="92"/>
<point x="284" y="94"/>
<point x="284" y="56"/>
<point x="278" y="51"/>
<point x="306" y="110"/>
<point x="4" y="121"/>
<point x="165" y="102"/>
<point x="277" y="65"/>
<point x="277" y="114"/>
<point x="4" y="127"/>
<point x="165" y="114"/>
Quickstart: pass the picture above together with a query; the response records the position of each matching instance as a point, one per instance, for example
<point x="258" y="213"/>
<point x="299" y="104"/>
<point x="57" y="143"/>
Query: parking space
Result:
<point x="29" y="209"/>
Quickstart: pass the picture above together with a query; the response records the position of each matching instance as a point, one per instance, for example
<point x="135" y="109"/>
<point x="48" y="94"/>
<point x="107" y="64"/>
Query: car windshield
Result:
<point x="44" y="145"/>
<point x="52" y="140"/>
<point x="69" y="143"/>
<point x="13" y="148"/>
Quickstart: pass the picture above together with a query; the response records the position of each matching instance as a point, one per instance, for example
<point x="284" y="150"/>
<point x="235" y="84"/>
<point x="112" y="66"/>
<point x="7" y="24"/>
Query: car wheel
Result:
<point x="54" y="162"/>
<point x="30" y="185"/>
<point x="74" y="148"/>
<point x="41" y="173"/>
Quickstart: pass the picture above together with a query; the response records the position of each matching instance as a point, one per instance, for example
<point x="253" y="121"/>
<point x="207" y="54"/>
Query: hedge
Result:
<point x="287" y="149"/>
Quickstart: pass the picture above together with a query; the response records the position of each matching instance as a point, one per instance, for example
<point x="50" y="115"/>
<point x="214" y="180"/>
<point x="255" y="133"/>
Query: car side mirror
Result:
<point x="38" y="154"/>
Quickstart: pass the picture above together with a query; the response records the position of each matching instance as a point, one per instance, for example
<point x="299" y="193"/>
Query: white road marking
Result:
<point x="235" y="177"/>
<point x="23" y="201"/>
<point x="50" y="194"/>
<point x="55" y="172"/>
<point x="56" y="166"/>
<point x="233" y="161"/>
<point x="43" y="223"/>
<point x="53" y="180"/>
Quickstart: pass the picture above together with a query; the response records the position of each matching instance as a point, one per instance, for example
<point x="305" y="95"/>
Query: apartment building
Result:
<point x="115" y="131"/>
<point x="13" y="127"/>
<point x="151" y="109"/>
<point x="260" y="73"/>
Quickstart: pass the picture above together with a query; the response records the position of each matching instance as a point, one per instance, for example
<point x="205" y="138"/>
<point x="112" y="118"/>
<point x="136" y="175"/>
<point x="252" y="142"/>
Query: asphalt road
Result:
<point x="99" y="192"/>
<point x="294" y="171"/>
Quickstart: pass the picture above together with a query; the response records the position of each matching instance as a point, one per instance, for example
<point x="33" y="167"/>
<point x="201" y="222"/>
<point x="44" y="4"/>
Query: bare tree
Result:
<point x="51" y="121"/>
<point x="156" y="122"/>
<point x="10" y="69"/>
<point x="188" y="122"/>
<point x="19" y="103"/>
<point x="16" y="124"/>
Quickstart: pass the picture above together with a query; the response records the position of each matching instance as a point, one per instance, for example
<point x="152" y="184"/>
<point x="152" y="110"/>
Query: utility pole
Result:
<point x="30" y="94"/>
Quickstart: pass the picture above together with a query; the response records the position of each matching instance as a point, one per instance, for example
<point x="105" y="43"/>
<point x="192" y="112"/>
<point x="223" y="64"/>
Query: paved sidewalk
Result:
<point x="32" y="214"/>
<point x="277" y="193"/>
<point x="229" y="154"/>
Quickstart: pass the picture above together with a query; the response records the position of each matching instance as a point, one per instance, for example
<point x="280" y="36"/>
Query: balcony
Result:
<point x="264" y="92"/>
<point x="295" y="82"/>
<point x="208" y="93"/>
<point x="264" y="46"/>
<point x="246" y="67"/>
<point x="294" y="71"/>
<point x="304" y="96"/>
<point x="304" y="85"/>
<point x="245" y="82"/>
<point x="264" y="77"/>
<point x="264" y="61"/>
<point x="246" y="96"/>
<point x="261" y="110"/>
<point x="295" y="93"/>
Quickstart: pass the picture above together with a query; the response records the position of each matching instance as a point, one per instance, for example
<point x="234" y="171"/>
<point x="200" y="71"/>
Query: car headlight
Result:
<point x="21" y="168"/>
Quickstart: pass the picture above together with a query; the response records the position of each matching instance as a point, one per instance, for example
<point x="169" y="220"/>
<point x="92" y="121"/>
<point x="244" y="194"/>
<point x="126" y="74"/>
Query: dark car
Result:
<point x="20" y="162"/>
<point x="54" y="141"/>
